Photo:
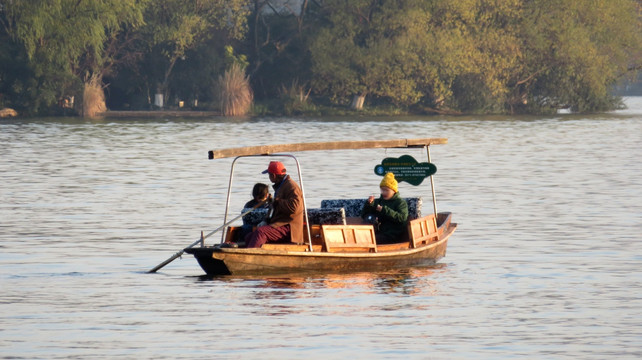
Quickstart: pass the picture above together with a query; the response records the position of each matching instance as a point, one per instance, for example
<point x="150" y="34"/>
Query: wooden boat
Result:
<point x="345" y="243"/>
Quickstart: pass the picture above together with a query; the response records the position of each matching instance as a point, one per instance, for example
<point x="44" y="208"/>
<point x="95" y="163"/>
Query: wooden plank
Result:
<point x="330" y="145"/>
<point x="232" y="233"/>
<point x="393" y="247"/>
<point x="422" y="231"/>
<point x="290" y="247"/>
<point x="349" y="237"/>
<point x="444" y="221"/>
<point x="351" y="249"/>
<point x="315" y="230"/>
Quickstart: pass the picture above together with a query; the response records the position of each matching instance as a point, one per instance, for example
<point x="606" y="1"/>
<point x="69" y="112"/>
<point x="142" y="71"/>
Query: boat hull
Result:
<point x="241" y="261"/>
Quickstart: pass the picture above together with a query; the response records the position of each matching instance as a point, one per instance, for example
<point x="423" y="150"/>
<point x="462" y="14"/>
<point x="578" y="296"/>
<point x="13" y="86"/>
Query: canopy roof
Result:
<point x="330" y="145"/>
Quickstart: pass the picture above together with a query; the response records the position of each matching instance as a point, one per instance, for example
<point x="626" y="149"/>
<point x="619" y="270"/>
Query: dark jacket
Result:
<point x="393" y="216"/>
<point x="288" y="208"/>
<point x="250" y="204"/>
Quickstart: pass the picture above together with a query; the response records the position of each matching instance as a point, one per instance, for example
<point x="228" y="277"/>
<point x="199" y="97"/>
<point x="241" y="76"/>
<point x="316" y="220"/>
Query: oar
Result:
<point x="178" y="254"/>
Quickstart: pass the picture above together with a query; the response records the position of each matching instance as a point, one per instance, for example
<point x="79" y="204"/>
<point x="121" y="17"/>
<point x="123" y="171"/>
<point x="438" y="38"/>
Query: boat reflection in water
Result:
<point x="415" y="281"/>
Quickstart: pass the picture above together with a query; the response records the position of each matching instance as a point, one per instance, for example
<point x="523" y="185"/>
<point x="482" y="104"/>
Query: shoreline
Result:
<point x="158" y="113"/>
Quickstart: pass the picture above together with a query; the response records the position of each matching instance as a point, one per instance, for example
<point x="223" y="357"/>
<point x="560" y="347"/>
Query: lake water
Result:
<point x="545" y="264"/>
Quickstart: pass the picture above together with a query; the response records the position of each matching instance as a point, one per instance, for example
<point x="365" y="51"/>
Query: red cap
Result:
<point x="275" y="167"/>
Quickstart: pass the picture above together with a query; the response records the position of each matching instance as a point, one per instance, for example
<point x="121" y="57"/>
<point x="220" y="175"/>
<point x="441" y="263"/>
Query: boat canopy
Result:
<point x="330" y="145"/>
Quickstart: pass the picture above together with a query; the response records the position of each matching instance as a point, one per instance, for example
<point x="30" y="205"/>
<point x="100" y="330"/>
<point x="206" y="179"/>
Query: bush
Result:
<point x="295" y="99"/>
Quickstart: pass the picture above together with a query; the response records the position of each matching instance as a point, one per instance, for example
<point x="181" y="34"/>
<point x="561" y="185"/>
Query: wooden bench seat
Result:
<point x="422" y="231"/>
<point x="348" y="238"/>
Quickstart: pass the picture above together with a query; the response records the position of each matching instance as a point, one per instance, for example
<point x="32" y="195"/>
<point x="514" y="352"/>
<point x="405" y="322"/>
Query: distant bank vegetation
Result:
<point x="310" y="56"/>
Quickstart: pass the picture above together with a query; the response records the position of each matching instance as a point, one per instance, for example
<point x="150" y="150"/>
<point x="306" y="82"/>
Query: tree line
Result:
<point x="296" y="56"/>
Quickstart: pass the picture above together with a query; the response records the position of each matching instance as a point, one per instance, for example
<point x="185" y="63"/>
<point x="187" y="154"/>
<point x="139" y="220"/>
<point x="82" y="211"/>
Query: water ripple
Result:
<point x="544" y="264"/>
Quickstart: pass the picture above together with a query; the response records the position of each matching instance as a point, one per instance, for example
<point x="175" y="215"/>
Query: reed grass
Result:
<point x="235" y="93"/>
<point x="295" y="99"/>
<point x="93" y="98"/>
<point x="295" y="92"/>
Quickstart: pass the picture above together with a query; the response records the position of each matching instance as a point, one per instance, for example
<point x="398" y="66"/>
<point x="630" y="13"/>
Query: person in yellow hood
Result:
<point x="388" y="213"/>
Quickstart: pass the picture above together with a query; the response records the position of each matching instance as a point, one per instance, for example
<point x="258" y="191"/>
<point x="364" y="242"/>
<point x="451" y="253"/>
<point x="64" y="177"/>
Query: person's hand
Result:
<point x="370" y="199"/>
<point x="379" y="207"/>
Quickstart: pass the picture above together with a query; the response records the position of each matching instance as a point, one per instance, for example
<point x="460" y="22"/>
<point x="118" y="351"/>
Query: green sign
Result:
<point x="406" y="168"/>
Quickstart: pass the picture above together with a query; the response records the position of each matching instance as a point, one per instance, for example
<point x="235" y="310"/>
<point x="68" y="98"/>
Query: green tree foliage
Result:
<point x="177" y="27"/>
<point x="277" y="45"/>
<point x="478" y="55"/>
<point x="369" y="47"/>
<point x="577" y="51"/>
<point x="476" y="44"/>
<point x="18" y="87"/>
<point x="67" y="42"/>
<point x="485" y="56"/>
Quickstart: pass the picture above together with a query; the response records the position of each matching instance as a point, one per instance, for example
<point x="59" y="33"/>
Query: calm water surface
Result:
<point x="545" y="263"/>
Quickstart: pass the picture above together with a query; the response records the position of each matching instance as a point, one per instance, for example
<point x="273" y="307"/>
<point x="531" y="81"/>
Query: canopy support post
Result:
<point x="227" y="201"/>
<point x="432" y="187"/>
<point x="305" y="205"/>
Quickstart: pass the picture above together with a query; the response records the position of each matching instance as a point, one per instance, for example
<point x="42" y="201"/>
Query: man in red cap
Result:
<point x="286" y="221"/>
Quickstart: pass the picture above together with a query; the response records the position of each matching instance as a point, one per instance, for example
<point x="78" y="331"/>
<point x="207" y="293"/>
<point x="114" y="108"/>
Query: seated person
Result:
<point x="260" y="193"/>
<point x="388" y="213"/>
<point x="286" y="220"/>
